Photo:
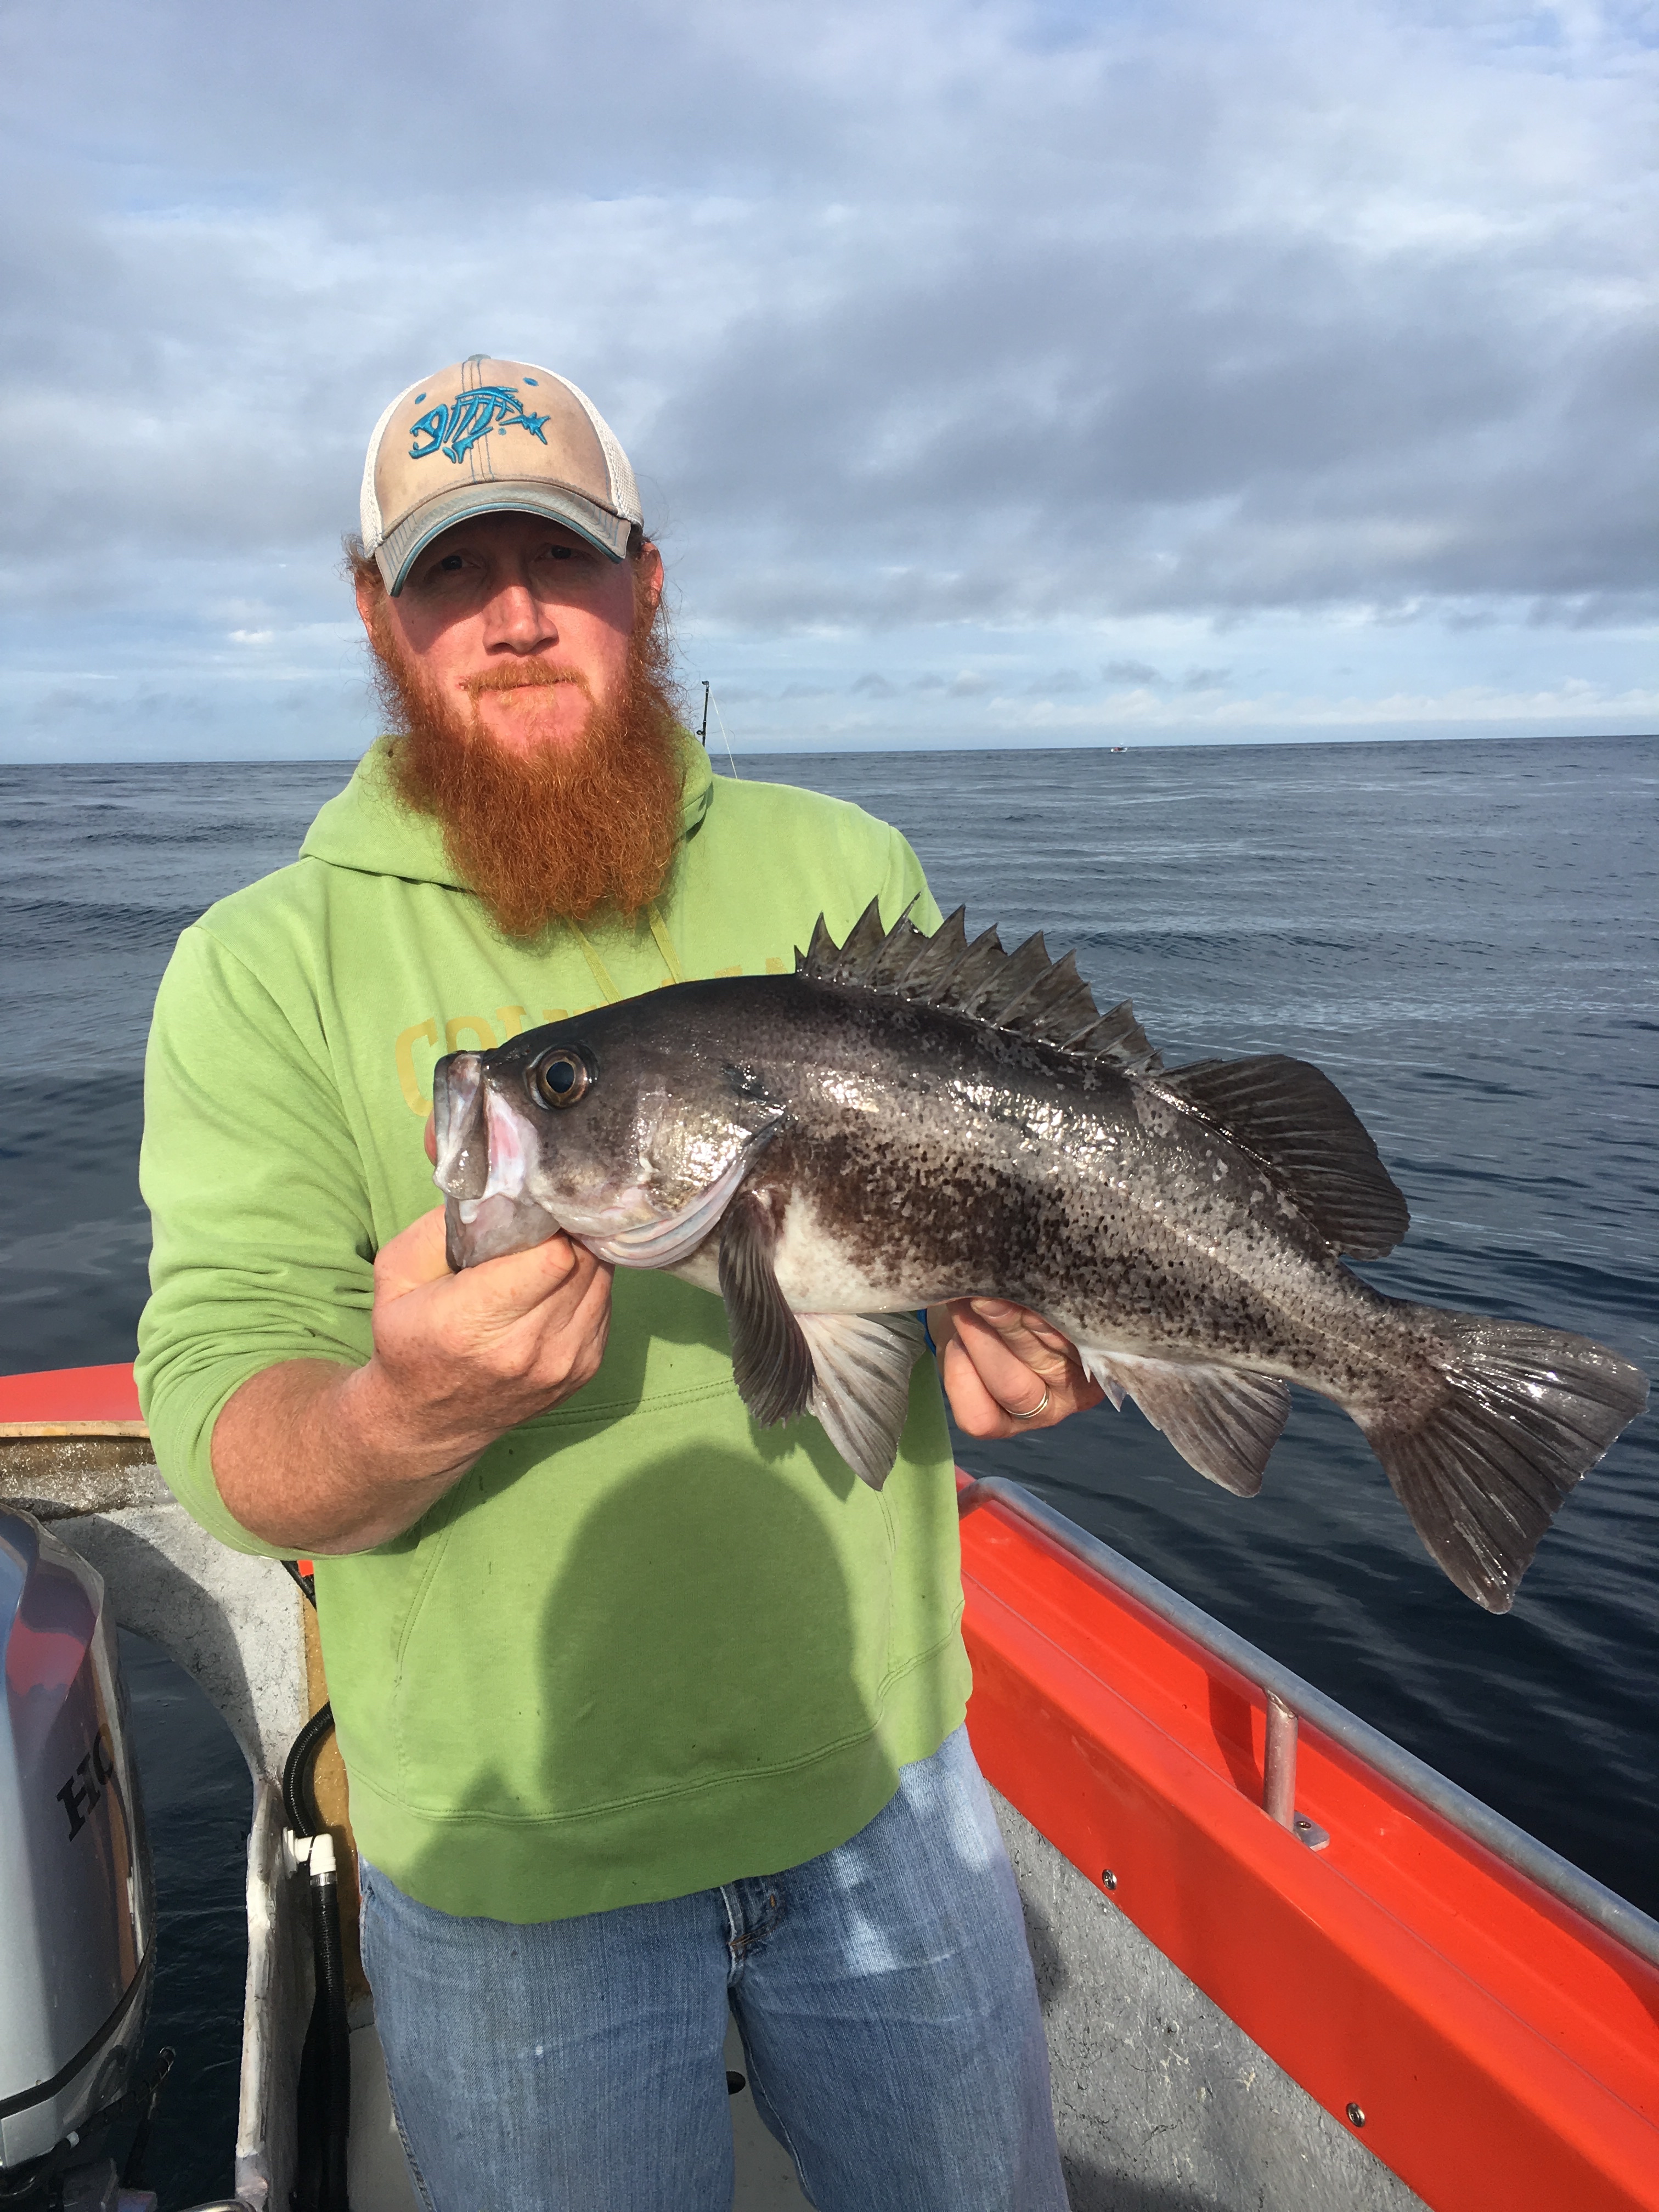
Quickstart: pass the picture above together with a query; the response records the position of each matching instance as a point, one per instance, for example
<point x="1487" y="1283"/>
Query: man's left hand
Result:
<point x="1005" y="1370"/>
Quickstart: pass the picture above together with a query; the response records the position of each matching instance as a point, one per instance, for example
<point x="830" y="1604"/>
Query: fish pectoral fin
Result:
<point x="770" y="1359"/>
<point x="1300" y="1126"/>
<point x="1222" y="1421"/>
<point x="861" y="1392"/>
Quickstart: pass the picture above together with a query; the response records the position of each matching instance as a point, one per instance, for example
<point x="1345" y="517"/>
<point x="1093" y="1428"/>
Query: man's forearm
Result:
<point x="320" y="1457"/>
<point x="328" y="1458"/>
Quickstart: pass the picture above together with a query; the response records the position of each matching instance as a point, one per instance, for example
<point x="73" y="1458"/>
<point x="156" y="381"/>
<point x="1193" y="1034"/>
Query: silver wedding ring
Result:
<point x="1041" y="1406"/>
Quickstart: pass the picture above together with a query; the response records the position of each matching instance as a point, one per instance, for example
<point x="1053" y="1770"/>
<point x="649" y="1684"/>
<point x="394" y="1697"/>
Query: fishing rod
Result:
<point x="702" y="734"/>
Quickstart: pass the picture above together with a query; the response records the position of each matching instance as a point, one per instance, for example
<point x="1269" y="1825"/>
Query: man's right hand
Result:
<point x="471" y="1355"/>
<point x="332" y="1459"/>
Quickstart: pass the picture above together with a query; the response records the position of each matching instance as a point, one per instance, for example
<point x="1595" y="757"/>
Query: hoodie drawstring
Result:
<point x="665" y="945"/>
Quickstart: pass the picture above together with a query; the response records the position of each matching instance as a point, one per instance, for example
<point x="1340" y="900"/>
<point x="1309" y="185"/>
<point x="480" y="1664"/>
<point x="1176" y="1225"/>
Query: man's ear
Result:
<point x="649" y="571"/>
<point x="369" y="597"/>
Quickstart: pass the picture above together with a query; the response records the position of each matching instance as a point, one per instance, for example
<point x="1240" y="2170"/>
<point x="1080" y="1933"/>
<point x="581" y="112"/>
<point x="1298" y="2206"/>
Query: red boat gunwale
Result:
<point x="87" y="1401"/>
<point x="1499" y="2037"/>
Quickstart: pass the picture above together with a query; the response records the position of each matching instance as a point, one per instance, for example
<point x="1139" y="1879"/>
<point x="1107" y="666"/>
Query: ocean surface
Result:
<point x="1463" y="935"/>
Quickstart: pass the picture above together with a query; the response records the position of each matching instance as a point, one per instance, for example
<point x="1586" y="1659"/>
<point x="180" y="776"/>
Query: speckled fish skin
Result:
<point x="813" y="1147"/>
<point x="920" y="1158"/>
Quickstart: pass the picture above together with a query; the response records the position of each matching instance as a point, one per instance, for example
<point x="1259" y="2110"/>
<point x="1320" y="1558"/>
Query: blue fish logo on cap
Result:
<point x="453" y="427"/>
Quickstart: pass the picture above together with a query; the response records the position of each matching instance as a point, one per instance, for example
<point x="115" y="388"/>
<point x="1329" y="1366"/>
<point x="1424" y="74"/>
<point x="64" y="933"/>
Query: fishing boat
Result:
<point x="1282" y="1962"/>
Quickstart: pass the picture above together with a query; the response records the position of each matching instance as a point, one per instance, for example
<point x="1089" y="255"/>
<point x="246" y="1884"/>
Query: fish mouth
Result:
<point x="481" y="1168"/>
<point x="462" y="1166"/>
<point x="486" y="1153"/>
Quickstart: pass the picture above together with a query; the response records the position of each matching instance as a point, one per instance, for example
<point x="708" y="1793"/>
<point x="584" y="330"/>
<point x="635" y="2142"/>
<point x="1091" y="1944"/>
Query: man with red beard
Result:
<point x="650" y="1718"/>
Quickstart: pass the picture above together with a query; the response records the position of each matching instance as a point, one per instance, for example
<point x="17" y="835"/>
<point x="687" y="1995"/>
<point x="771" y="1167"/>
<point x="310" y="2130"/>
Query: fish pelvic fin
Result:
<point x="1298" y="1124"/>
<point x="1520" y="1414"/>
<point x="853" y="1370"/>
<point x="1222" y="1421"/>
<point x="862" y="1363"/>
<point x="1024" y="992"/>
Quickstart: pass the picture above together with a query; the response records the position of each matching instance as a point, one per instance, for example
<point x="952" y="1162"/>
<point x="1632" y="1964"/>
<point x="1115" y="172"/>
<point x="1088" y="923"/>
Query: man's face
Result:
<point x="521" y="620"/>
<point x="527" y="682"/>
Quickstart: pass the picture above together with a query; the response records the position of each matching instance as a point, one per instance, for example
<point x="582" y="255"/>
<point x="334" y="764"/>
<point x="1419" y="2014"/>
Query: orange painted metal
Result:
<point x="1504" y="2051"/>
<point x="70" y="1394"/>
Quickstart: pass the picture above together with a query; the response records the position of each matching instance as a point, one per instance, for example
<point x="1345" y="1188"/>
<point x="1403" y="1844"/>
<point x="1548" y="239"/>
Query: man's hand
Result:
<point x="1005" y="1370"/>
<point x="334" y="1459"/>
<point x="468" y="1357"/>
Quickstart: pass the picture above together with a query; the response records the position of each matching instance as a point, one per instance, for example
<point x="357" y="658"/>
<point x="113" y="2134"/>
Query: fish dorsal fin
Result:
<point x="1024" y="992"/>
<point x="1299" y="1124"/>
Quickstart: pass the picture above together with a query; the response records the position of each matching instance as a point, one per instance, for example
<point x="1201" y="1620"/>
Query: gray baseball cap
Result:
<point x="484" y="436"/>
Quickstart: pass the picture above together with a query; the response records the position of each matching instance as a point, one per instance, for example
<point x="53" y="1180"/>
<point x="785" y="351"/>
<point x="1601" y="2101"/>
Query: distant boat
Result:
<point x="1117" y="749"/>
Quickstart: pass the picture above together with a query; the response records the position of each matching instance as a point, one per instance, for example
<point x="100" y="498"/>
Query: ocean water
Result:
<point x="1462" y="935"/>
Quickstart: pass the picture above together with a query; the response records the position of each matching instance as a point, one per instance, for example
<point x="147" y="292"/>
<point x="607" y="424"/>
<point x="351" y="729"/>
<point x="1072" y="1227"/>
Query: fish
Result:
<point x="911" y="1118"/>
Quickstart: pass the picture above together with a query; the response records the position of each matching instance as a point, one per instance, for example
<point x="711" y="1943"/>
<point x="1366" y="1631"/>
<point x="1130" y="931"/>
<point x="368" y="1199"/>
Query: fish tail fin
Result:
<point x="1484" y="1461"/>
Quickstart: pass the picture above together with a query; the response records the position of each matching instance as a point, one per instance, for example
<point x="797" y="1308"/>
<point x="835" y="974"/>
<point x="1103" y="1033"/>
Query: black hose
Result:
<point x="325" y="2088"/>
<point x="324" y="2065"/>
<point x="299" y="1774"/>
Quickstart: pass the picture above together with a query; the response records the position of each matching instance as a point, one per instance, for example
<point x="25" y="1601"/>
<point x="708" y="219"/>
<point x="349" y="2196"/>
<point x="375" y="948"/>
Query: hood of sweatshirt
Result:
<point x="367" y="827"/>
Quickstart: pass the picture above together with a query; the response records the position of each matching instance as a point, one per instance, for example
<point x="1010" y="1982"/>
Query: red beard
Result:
<point x="552" y="835"/>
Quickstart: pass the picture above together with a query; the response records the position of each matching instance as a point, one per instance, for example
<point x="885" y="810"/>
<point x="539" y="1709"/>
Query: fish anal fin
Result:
<point x="1024" y="992"/>
<point x="770" y="1359"/>
<point x="1222" y="1421"/>
<point x="1298" y="1124"/>
<point x="861" y="1392"/>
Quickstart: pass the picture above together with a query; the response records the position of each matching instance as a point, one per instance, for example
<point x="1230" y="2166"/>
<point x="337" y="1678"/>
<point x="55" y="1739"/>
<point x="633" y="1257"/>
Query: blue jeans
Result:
<point x="884" y="1993"/>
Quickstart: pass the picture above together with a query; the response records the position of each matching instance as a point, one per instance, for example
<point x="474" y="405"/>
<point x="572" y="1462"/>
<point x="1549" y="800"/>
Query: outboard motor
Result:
<point x="77" y="1904"/>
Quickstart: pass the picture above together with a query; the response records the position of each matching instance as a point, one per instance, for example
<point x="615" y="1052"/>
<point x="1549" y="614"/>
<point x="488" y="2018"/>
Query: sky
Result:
<point x="995" y="374"/>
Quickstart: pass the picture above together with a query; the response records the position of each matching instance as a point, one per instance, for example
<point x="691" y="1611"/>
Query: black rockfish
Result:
<point x="908" y="1118"/>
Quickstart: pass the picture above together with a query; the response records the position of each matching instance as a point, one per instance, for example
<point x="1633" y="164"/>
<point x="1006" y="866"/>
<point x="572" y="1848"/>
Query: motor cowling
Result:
<point x="76" y="1898"/>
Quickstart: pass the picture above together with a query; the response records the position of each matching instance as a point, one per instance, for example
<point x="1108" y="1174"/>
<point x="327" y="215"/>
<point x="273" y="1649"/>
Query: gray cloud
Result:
<point x="958" y="312"/>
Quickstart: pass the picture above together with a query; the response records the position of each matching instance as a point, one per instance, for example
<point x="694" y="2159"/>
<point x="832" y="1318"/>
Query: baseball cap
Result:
<point x="489" y="435"/>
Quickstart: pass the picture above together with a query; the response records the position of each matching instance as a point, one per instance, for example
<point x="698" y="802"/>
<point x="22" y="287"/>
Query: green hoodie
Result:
<point x="642" y="1647"/>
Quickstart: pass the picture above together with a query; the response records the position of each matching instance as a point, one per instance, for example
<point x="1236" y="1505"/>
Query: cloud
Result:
<point x="974" y="319"/>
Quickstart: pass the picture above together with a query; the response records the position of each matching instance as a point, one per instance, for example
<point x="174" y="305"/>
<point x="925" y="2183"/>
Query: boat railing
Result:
<point x="1290" y="1700"/>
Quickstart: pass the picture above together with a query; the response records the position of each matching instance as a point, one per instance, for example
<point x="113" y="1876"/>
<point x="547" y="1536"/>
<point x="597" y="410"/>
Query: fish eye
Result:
<point x="559" y="1077"/>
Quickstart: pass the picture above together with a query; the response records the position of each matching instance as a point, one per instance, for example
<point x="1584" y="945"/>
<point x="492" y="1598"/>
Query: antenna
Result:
<point x="702" y="734"/>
